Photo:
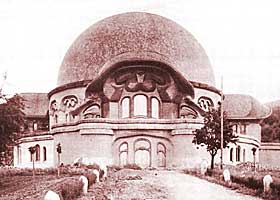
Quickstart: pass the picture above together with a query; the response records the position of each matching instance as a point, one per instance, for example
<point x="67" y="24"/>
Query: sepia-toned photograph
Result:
<point x="139" y="100"/>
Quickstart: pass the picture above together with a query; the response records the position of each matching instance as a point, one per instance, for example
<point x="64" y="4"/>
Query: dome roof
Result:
<point x="135" y="36"/>
<point x="240" y="106"/>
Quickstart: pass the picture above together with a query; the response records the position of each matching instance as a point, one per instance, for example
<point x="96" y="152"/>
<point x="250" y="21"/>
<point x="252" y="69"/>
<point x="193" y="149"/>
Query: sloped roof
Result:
<point x="36" y="104"/>
<point x="239" y="106"/>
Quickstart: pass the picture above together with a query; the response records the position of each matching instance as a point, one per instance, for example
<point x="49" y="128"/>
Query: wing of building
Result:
<point x="132" y="88"/>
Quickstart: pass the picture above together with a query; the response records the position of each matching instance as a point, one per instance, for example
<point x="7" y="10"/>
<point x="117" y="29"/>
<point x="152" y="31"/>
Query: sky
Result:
<point x="240" y="37"/>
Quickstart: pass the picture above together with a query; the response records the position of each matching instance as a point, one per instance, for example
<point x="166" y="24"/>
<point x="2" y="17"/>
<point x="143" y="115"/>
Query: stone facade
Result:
<point x="132" y="89"/>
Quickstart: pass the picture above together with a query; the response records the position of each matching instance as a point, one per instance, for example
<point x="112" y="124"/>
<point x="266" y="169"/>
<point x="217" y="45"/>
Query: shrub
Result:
<point x="114" y="168"/>
<point x="71" y="190"/>
<point x="249" y="182"/>
<point x="191" y="171"/>
<point x="132" y="166"/>
<point x="93" y="166"/>
<point x="91" y="178"/>
<point x="275" y="189"/>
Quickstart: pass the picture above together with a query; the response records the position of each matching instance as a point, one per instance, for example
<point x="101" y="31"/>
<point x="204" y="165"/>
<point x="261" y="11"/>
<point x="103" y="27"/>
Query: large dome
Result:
<point x="135" y="36"/>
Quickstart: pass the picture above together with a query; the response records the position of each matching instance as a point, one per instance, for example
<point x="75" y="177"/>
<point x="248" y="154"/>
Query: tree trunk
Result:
<point x="212" y="161"/>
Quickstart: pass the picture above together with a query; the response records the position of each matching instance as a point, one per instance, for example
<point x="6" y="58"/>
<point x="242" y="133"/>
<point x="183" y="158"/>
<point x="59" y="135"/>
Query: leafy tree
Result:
<point x="11" y="120"/>
<point x="271" y="126"/>
<point x="210" y="133"/>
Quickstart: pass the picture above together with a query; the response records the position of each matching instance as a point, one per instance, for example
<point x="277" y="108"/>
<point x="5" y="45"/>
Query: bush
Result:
<point x="132" y="166"/>
<point x="249" y="182"/>
<point x="71" y="190"/>
<point x="275" y="189"/>
<point x="91" y="178"/>
<point x="93" y="166"/>
<point x="114" y="168"/>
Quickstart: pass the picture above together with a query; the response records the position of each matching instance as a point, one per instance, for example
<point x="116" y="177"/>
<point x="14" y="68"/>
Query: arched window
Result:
<point x="238" y="154"/>
<point x="31" y="159"/>
<point x="155" y="108"/>
<point x="161" y="155"/>
<point x="37" y="152"/>
<point x="244" y="155"/>
<point x="44" y="153"/>
<point x="123" y="153"/>
<point x="231" y="155"/>
<point x="125" y="107"/>
<point x="140" y="105"/>
<point x="35" y="126"/>
<point x="142" y="149"/>
<point x="55" y="118"/>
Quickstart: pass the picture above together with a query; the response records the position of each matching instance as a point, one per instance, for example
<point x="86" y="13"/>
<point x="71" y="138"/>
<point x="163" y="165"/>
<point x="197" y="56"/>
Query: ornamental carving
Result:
<point x="205" y="103"/>
<point x="69" y="103"/>
<point x="187" y="112"/>
<point x="92" y="111"/>
<point x="140" y="80"/>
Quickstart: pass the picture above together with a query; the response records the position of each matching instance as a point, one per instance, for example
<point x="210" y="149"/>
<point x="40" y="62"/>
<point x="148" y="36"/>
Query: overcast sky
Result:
<point x="241" y="38"/>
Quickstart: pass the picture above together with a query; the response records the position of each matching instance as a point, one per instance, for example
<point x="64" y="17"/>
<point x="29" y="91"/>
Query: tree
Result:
<point x="32" y="151"/>
<point x="11" y="120"/>
<point x="210" y="133"/>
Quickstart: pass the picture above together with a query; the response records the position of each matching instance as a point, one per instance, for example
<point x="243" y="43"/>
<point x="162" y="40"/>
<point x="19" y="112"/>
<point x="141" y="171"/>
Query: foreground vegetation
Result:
<point x="20" y="184"/>
<point x="244" y="179"/>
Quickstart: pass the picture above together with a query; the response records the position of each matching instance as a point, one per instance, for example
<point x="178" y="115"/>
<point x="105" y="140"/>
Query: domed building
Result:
<point x="132" y="88"/>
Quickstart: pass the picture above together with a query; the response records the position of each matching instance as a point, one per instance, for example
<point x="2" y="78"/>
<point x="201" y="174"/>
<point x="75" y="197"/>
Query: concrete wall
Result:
<point x="91" y="146"/>
<point x="22" y="157"/>
<point x="270" y="154"/>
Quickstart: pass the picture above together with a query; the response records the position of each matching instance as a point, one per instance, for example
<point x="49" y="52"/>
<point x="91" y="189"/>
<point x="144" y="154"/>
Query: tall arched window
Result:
<point x="140" y="105"/>
<point x="123" y="153"/>
<point x="231" y="155"/>
<point x="161" y="155"/>
<point x="125" y="107"/>
<point x="244" y="155"/>
<point x="56" y="118"/>
<point x="142" y="149"/>
<point x="155" y="108"/>
<point x="44" y="153"/>
<point x="37" y="152"/>
<point x="238" y="154"/>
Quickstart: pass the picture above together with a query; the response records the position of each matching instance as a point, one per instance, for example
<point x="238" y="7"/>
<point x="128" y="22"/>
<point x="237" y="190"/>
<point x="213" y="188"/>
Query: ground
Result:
<point x="158" y="185"/>
<point x="23" y="187"/>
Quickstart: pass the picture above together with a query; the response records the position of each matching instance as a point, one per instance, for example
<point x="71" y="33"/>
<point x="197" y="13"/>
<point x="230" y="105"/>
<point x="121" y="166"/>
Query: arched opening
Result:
<point x="142" y="153"/>
<point x="231" y="155"/>
<point x="125" y="107"/>
<point x="140" y="106"/>
<point x="161" y="155"/>
<point x="123" y="150"/>
<point x="37" y="152"/>
<point x="238" y="149"/>
<point x="44" y="153"/>
<point x="244" y="155"/>
<point x="155" y="107"/>
<point x="55" y="119"/>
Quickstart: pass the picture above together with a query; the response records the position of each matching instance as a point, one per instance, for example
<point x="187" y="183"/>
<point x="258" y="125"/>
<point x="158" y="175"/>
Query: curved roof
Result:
<point x="239" y="106"/>
<point x="135" y="36"/>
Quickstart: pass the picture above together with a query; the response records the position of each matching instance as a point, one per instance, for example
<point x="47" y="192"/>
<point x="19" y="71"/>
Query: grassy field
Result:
<point x="25" y="187"/>
<point x="245" y="179"/>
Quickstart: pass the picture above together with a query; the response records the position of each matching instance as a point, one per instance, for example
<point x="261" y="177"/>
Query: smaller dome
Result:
<point x="242" y="106"/>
